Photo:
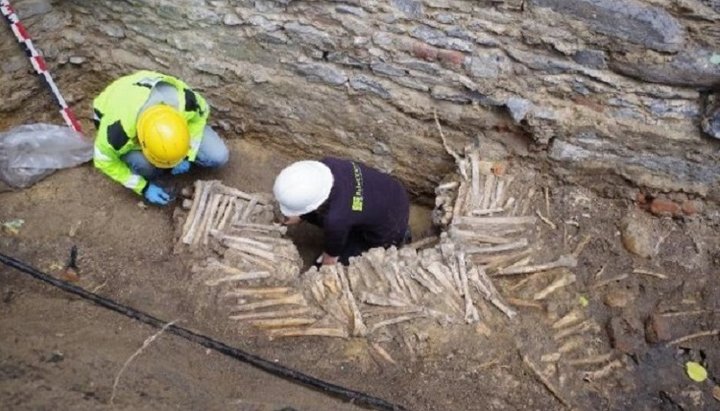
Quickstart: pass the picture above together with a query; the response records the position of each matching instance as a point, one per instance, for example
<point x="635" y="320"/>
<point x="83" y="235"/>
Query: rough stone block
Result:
<point x="310" y="35"/>
<point x="629" y="20"/>
<point x="365" y="83"/>
<point x="689" y="67"/>
<point x="387" y="69"/>
<point x="488" y="64"/>
<point x="29" y="8"/>
<point x="439" y="39"/>
<point x="410" y="8"/>
<point x="450" y="94"/>
<point x="321" y="73"/>
<point x="595" y="59"/>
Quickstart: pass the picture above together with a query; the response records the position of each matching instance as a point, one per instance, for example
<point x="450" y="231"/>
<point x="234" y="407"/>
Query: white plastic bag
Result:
<point x="31" y="152"/>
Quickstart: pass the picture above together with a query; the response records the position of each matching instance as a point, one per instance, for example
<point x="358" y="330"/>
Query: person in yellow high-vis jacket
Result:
<point x="148" y="122"/>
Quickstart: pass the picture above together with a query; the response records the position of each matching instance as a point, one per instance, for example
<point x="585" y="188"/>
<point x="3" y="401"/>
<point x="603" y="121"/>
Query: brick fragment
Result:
<point x="665" y="207"/>
<point x="451" y="57"/>
<point x="424" y="51"/>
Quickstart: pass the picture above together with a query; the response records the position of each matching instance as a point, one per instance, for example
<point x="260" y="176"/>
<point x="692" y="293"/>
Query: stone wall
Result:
<point x="588" y="89"/>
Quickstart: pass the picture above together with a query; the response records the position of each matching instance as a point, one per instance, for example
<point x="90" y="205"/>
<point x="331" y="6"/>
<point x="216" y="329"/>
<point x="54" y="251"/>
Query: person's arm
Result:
<point x="198" y="111"/>
<point x="328" y="259"/>
<point x="336" y="236"/>
<point x="107" y="160"/>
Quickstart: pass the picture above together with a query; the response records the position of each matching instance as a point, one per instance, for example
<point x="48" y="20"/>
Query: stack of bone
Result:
<point x="239" y="227"/>
<point x="487" y="233"/>
<point x="389" y="287"/>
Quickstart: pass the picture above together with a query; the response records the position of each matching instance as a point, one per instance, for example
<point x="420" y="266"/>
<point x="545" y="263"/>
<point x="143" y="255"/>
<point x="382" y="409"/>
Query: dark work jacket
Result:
<point x="362" y="202"/>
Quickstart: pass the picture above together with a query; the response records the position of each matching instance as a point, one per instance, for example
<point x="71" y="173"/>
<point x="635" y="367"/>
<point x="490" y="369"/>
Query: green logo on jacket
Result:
<point x="357" y="200"/>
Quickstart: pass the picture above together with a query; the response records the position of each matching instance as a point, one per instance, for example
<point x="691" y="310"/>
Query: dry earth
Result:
<point x="59" y="352"/>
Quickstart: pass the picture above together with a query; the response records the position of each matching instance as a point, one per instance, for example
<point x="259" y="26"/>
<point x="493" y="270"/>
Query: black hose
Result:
<point x="355" y="397"/>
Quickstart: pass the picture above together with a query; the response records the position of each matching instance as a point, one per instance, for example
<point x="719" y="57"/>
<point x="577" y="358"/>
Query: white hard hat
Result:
<point x="302" y="187"/>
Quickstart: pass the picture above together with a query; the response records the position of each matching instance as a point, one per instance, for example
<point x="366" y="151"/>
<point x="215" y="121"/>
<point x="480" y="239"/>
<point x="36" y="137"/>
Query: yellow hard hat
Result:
<point x="164" y="136"/>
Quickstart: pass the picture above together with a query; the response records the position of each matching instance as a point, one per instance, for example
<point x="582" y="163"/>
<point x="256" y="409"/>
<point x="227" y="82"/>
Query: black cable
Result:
<point x="355" y="397"/>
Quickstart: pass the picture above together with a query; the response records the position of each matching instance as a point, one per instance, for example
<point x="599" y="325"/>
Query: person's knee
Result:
<point x="213" y="152"/>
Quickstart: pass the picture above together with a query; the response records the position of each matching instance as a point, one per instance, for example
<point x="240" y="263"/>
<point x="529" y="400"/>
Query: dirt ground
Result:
<point x="59" y="352"/>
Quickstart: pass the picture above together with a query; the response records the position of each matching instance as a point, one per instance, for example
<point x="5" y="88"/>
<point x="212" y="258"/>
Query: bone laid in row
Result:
<point x="192" y="223"/>
<point x="295" y="299"/>
<point x="485" y="287"/>
<point x="357" y="325"/>
<point x="212" y="207"/>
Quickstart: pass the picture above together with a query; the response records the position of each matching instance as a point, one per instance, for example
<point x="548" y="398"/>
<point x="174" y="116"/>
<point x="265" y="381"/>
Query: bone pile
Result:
<point x="239" y="228"/>
<point x="384" y="289"/>
<point x="379" y="293"/>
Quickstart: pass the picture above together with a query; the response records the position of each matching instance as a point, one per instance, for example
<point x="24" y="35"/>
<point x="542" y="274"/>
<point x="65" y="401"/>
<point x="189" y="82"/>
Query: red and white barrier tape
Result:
<point x="38" y="62"/>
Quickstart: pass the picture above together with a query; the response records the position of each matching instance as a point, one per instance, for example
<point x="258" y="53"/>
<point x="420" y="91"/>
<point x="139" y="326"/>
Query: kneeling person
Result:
<point x="358" y="207"/>
<point x="149" y="122"/>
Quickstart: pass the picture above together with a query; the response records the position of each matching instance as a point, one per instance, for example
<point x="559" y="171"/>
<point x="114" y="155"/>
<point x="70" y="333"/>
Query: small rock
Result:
<point x="56" y="357"/>
<point x="665" y="207"/>
<point x="638" y="235"/>
<point x="716" y="393"/>
<point x="519" y="107"/>
<point x="625" y="335"/>
<point x="77" y="60"/>
<point x="618" y="298"/>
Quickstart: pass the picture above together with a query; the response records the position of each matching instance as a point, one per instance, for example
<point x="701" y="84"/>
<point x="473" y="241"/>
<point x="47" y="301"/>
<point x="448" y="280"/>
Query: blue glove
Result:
<point x="156" y="195"/>
<point x="181" y="168"/>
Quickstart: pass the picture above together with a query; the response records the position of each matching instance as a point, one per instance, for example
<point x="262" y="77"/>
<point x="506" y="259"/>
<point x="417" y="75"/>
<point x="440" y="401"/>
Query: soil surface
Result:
<point x="60" y="352"/>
